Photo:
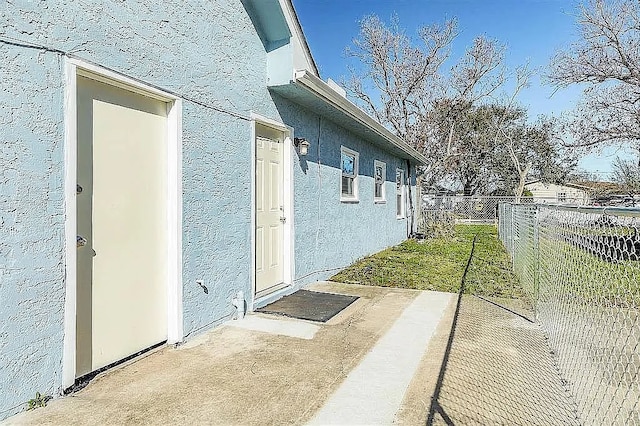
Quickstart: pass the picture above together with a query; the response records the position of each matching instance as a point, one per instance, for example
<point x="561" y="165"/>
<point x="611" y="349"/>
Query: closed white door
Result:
<point x="269" y="213"/>
<point x="121" y="224"/>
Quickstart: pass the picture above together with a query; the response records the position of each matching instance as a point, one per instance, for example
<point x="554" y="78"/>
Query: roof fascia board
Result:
<point x="326" y="93"/>
<point x="568" y="185"/>
<point x="577" y="186"/>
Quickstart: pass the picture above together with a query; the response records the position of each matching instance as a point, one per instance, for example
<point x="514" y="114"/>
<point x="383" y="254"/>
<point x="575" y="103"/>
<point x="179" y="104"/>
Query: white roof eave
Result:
<point x="322" y="90"/>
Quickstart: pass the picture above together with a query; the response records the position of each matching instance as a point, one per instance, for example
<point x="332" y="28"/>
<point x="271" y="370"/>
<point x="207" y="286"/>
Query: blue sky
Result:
<point x="532" y="30"/>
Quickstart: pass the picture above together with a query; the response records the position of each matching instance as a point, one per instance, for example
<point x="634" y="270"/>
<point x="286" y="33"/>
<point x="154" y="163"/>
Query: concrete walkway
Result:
<point x="390" y="357"/>
<point x="386" y="371"/>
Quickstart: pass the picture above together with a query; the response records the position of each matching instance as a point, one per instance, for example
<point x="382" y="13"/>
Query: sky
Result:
<point x="532" y="30"/>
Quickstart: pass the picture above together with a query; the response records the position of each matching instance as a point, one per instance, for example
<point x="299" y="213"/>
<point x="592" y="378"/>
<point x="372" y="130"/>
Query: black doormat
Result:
<point x="309" y="305"/>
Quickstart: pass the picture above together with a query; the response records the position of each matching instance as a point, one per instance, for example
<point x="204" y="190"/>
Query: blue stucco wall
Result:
<point x="331" y="234"/>
<point x="31" y="225"/>
<point x="209" y="54"/>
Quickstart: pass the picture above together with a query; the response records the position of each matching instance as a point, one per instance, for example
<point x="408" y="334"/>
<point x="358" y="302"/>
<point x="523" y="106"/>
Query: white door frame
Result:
<point x="175" y="332"/>
<point x="288" y="234"/>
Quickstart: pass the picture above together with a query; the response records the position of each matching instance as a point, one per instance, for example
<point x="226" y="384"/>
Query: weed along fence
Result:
<point x="581" y="268"/>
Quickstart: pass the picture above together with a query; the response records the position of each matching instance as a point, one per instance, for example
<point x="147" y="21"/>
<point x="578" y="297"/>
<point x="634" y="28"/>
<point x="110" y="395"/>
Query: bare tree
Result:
<point x="403" y="84"/>
<point x="627" y="174"/>
<point x="401" y="75"/>
<point x="494" y="161"/>
<point x="606" y="61"/>
<point x="529" y="151"/>
<point x="521" y="165"/>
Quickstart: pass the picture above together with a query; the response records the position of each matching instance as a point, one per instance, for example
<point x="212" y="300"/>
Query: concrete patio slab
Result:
<point x="393" y="357"/>
<point x="257" y="374"/>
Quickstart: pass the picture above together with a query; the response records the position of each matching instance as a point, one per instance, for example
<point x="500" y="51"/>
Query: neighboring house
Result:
<point x="550" y="193"/>
<point x="158" y="158"/>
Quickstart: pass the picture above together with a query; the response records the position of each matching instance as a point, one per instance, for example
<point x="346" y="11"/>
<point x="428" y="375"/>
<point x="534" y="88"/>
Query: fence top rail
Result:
<point x="470" y="197"/>
<point x="606" y="210"/>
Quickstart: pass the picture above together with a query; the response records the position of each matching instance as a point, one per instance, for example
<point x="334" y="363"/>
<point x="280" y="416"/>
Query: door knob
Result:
<point x="283" y="219"/>
<point x="81" y="241"/>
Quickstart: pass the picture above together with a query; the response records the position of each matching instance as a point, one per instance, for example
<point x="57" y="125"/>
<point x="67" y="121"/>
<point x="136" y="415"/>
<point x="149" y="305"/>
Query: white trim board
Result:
<point x="175" y="326"/>
<point x="73" y="68"/>
<point x="104" y="75"/>
<point x="70" y="226"/>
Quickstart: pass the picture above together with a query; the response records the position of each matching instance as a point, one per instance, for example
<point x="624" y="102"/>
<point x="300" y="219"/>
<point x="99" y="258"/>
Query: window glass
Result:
<point x="399" y="193"/>
<point x="347" y="185"/>
<point x="379" y="177"/>
<point x="349" y="166"/>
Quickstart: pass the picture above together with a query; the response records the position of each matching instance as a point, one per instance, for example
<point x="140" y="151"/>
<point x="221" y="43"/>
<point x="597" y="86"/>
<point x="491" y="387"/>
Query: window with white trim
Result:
<point x="400" y="193"/>
<point x="349" y="179"/>
<point x="379" y="176"/>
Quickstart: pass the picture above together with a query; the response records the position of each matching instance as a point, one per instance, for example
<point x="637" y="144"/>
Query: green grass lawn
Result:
<point x="438" y="264"/>
<point x="567" y="271"/>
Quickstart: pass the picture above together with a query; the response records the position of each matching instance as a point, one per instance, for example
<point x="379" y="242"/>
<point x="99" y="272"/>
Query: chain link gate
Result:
<point x="581" y="268"/>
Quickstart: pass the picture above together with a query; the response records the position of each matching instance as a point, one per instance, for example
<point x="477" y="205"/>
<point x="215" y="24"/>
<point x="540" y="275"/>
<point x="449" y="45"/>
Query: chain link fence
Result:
<point x="448" y="210"/>
<point x="581" y="268"/>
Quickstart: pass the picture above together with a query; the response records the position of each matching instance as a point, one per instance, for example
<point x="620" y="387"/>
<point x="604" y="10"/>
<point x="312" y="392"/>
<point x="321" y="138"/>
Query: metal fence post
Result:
<point x="536" y="252"/>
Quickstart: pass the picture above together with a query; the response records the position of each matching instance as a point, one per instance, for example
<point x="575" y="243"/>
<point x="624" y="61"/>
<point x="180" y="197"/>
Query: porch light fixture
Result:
<point x="302" y="144"/>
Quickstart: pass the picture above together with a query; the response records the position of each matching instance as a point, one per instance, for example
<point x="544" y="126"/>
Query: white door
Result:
<point x="269" y="213"/>
<point x="121" y="224"/>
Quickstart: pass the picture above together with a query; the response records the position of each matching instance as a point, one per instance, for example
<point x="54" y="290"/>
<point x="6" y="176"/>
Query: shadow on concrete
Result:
<point x="497" y="368"/>
<point x="527" y="316"/>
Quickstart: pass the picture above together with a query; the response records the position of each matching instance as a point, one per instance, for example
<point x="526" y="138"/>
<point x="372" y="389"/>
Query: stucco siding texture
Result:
<point x="31" y="226"/>
<point x="207" y="50"/>
<point x="216" y="217"/>
<point x="331" y="234"/>
<point x="207" y="53"/>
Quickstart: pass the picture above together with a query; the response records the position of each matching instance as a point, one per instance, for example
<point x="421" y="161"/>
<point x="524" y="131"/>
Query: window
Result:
<point x="379" y="175"/>
<point x="349" y="181"/>
<point x="400" y="193"/>
<point x="562" y="197"/>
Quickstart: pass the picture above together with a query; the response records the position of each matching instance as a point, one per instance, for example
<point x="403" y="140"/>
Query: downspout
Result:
<point x="412" y="213"/>
<point x="239" y="303"/>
